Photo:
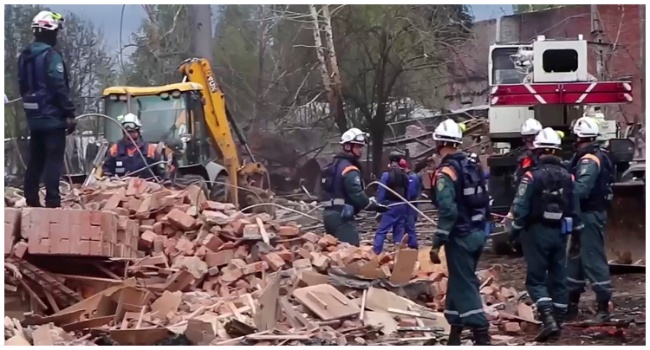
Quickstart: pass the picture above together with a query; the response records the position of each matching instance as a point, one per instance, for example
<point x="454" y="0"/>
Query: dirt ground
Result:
<point x="629" y="301"/>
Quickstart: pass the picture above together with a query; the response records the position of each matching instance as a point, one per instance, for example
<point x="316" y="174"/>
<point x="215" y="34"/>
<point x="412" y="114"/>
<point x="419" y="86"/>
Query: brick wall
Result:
<point x="622" y="29"/>
<point x="78" y="232"/>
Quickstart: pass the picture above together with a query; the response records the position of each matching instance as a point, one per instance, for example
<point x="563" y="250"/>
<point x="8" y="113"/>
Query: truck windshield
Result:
<point x="161" y="118"/>
<point x="503" y="68"/>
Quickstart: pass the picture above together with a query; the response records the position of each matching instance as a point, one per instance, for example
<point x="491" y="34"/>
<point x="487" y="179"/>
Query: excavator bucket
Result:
<point x="625" y="228"/>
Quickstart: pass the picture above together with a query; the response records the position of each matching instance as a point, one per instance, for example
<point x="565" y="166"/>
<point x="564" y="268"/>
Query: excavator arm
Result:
<point x="197" y="70"/>
<point x="221" y="126"/>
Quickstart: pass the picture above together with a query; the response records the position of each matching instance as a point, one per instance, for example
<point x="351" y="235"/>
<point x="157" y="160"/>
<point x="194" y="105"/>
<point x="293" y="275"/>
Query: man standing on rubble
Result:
<point x="593" y="173"/>
<point x="342" y="190"/>
<point x="546" y="208"/>
<point x="395" y="218"/>
<point x="45" y="91"/>
<point x="132" y="156"/>
<point x="414" y="191"/>
<point x="460" y="195"/>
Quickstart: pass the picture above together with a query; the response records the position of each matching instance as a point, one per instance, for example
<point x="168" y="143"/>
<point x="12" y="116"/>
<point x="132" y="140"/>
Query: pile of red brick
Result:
<point x="186" y="243"/>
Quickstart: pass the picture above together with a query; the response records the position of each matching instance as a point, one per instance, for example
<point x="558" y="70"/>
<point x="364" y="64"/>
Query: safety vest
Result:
<point x="552" y="193"/>
<point x="472" y="198"/>
<point x="39" y="101"/>
<point x="133" y="164"/>
<point x="332" y="190"/>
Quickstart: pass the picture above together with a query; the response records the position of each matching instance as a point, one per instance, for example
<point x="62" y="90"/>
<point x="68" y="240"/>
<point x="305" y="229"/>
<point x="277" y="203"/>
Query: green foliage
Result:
<point x="162" y="43"/>
<point x="392" y="52"/>
<point x="532" y="8"/>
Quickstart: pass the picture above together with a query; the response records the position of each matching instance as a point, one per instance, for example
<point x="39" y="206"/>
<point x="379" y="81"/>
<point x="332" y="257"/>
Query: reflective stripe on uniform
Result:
<point x="560" y="306"/>
<point x="604" y="283"/>
<point x="477" y="217"/>
<point x="30" y="106"/>
<point x="576" y="281"/>
<point x="552" y="216"/>
<point x="517" y="227"/>
<point x="333" y="202"/>
<point x="464" y="314"/>
<point x="472" y="191"/>
<point x="441" y="231"/>
<point x="540" y="300"/>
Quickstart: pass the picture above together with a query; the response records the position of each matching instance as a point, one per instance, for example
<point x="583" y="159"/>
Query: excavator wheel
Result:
<point x="625" y="227"/>
<point x="218" y="190"/>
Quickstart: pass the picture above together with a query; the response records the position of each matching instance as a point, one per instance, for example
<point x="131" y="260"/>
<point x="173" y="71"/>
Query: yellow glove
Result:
<point x="560" y="134"/>
<point x="462" y="127"/>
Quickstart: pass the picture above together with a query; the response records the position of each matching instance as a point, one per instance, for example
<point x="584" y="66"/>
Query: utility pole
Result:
<point x="201" y="19"/>
<point x="597" y="36"/>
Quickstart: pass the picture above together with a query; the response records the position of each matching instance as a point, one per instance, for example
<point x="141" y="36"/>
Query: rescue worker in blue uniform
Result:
<point x="545" y="206"/>
<point x="133" y="158"/>
<point x="342" y="190"/>
<point x="414" y="191"/>
<point x="461" y="198"/>
<point x="45" y="90"/>
<point x="593" y="172"/>
<point x="395" y="218"/>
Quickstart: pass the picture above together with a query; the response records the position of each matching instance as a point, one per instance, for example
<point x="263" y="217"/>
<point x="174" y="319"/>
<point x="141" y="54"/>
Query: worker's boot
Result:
<point x="549" y="326"/>
<point x="454" y="335"/>
<point x="603" y="315"/>
<point x="572" y="311"/>
<point x="481" y="336"/>
<point x="560" y="315"/>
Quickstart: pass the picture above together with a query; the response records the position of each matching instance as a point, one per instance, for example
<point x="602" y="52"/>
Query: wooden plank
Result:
<point x="266" y="315"/>
<point x="404" y="265"/>
<point x="330" y="297"/>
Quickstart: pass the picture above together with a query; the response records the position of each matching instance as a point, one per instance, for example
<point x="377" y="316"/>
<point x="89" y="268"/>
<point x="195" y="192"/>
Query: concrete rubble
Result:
<point x="133" y="263"/>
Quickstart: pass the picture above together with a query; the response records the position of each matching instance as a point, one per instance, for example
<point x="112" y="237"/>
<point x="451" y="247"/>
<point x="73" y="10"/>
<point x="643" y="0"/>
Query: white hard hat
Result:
<point x="531" y="127"/>
<point x="586" y="127"/>
<point x="355" y="136"/>
<point x="548" y="138"/>
<point x="129" y="121"/>
<point x="48" y="20"/>
<point x="448" y="131"/>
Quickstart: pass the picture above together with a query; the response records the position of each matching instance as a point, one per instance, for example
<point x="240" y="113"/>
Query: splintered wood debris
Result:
<point x="208" y="274"/>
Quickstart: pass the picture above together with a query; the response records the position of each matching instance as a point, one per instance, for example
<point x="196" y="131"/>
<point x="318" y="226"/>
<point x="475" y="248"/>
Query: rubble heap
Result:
<point x="186" y="270"/>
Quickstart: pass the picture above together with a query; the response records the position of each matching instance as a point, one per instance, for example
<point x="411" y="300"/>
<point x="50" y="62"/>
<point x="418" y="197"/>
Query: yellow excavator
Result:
<point x="193" y="127"/>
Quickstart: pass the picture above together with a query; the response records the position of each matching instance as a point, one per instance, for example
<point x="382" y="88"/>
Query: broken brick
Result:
<point x="251" y="230"/>
<point x="231" y="275"/>
<point x="220" y="258"/>
<point x="512" y="328"/>
<point x="327" y="240"/>
<point x="181" y="219"/>
<point x="288" y="231"/>
<point x="257" y="267"/>
<point x="311" y="237"/>
<point x="212" y="242"/>
<point x="274" y="260"/>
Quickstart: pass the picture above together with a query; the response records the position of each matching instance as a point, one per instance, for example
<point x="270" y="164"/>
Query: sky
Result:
<point x="108" y="17"/>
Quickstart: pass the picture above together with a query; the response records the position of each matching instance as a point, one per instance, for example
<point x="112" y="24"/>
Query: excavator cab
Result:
<point x="173" y="117"/>
<point x="192" y="127"/>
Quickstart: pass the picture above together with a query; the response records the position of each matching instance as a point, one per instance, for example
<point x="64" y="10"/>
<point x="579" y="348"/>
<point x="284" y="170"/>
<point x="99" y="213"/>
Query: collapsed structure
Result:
<point x="134" y="263"/>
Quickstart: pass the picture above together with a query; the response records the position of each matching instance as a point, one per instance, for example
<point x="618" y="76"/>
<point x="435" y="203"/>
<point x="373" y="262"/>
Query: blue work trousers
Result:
<point x="394" y="219"/>
<point x="411" y="219"/>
